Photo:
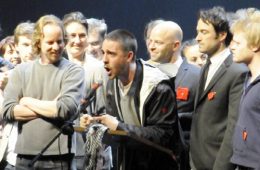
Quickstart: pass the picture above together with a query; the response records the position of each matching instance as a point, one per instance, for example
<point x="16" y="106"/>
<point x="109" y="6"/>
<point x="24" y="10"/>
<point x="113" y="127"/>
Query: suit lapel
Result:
<point x="220" y="72"/>
<point x="198" y="89"/>
<point x="196" y="97"/>
<point x="222" y="69"/>
<point x="181" y="73"/>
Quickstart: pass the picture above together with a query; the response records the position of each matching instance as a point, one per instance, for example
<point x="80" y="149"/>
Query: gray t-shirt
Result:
<point x="63" y="81"/>
<point x="126" y="104"/>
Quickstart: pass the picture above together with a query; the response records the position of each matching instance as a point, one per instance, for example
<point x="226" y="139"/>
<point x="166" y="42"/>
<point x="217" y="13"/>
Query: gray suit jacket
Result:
<point x="214" y="118"/>
<point x="187" y="77"/>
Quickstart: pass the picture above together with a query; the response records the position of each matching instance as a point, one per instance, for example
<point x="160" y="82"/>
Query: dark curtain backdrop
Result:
<point x="128" y="14"/>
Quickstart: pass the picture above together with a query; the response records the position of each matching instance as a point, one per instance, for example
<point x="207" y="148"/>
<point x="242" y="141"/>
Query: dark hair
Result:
<point x="218" y="18"/>
<point x="125" y="38"/>
<point x="75" y="17"/>
<point x="7" y="42"/>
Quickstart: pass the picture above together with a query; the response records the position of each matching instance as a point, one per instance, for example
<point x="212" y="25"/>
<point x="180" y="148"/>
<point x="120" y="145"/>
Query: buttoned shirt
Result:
<point x="216" y="62"/>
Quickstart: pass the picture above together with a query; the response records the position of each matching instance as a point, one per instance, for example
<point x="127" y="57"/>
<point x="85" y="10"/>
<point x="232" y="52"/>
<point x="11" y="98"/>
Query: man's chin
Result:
<point x="54" y="59"/>
<point x="237" y="60"/>
<point x="111" y="76"/>
<point x="25" y="59"/>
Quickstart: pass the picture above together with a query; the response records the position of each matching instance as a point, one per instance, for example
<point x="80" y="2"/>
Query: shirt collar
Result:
<point x="179" y="61"/>
<point x="220" y="57"/>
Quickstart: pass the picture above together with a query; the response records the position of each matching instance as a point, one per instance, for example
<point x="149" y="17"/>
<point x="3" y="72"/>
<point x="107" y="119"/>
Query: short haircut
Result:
<point x="75" y="17"/>
<point x="38" y="31"/>
<point x="96" y="25"/>
<point x="250" y="27"/>
<point x="186" y="44"/>
<point x="240" y="14"/>
<point x="218" y="18"/>
<point x="23" y="29"/>
<point x="125" y="38"/>
<point x="245" y="12"/>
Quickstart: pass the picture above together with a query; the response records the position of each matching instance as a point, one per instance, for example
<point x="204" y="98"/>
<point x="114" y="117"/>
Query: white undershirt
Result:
<point x="124" y="89"/>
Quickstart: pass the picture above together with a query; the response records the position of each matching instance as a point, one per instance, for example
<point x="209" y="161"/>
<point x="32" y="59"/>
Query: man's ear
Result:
<point x="176" y="45"/>
<point x="222" y="36"/>
<point x="130" y="56"/>
<point x="255" y="49"/>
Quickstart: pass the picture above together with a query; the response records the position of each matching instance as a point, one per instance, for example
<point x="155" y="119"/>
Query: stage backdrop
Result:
<point x="128" y="14"/>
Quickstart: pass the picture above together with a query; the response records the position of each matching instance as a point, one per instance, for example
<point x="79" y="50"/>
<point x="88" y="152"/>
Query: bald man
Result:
<point x="164" y="49"/>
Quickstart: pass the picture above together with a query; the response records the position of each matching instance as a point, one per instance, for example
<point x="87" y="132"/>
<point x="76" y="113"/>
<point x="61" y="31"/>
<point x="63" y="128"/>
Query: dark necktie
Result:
<point x="204" y="76"/>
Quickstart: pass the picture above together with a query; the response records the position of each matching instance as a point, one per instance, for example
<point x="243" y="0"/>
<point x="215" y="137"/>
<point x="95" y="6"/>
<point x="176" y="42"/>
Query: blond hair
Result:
<point x="250" y="27"/>
<point x="23" y="29"/>
<point x="38" y="31"/>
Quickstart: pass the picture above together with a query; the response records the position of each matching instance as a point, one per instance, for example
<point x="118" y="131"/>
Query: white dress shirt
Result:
<point x="216" y="62"/>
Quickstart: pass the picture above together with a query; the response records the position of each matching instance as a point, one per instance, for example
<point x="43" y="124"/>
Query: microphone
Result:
<point x="92" y="91"/>
<point x="89" y="96"/>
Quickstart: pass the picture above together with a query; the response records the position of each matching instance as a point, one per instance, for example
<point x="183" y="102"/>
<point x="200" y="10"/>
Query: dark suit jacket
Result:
<point x="214" y="118"/>
<point x="187" y="77"/>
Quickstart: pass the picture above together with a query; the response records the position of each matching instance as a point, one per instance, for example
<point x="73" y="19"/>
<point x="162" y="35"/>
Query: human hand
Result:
<point x="3" y="80"/>
<point x="85" y="120"/>
<point x="109" y="121"/>
<point x="25" y="100"/>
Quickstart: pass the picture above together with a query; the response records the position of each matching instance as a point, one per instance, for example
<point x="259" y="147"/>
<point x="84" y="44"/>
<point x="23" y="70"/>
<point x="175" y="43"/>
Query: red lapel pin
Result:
<point x="211" y="95"/>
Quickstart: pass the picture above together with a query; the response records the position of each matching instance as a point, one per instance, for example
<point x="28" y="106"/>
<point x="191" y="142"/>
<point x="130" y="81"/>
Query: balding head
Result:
<point x="171" y="30"/>
<point x="165" y="41"/>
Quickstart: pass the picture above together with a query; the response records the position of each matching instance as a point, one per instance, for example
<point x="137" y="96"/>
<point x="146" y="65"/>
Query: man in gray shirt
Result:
<point x="42" y="95"/>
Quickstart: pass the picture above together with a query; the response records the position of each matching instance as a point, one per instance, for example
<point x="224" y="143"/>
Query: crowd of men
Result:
<point x="68" y="89"/>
